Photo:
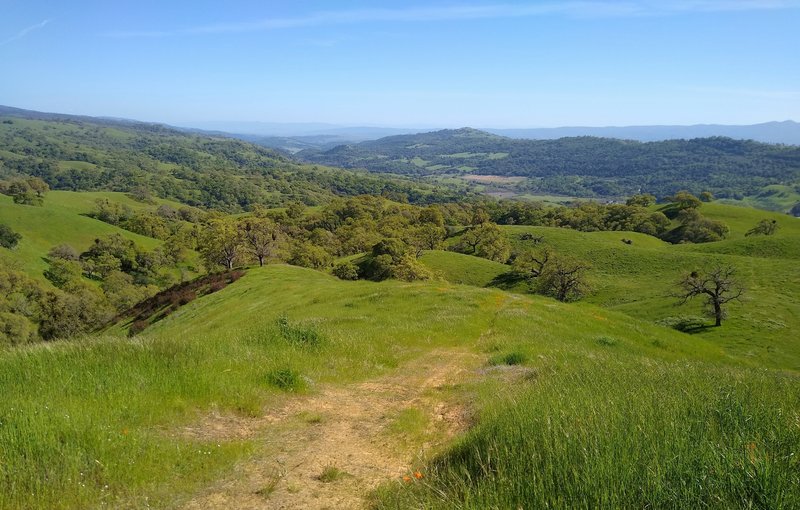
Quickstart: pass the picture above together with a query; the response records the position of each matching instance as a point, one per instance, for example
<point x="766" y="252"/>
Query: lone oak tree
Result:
<point x="718" y="285"/>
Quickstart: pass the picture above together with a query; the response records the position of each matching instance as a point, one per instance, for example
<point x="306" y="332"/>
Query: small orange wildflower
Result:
<point x="418" y="475"/>
<point x="406" y="478"/>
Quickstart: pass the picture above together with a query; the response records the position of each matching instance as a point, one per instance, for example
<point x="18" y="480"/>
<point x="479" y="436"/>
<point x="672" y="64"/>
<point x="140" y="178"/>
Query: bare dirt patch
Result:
<point x="344" y="430"/>
<point x="493" y="179"/>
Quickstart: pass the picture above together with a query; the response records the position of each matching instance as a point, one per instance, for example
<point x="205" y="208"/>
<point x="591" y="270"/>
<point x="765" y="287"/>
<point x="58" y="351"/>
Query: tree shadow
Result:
<point x="506" y="281"/>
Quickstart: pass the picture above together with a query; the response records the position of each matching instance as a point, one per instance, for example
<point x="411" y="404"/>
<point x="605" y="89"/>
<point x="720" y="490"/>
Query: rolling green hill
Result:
<point x="101" y="420"/>
<point x="62" y="219"/>
<point x="585" y="166"/>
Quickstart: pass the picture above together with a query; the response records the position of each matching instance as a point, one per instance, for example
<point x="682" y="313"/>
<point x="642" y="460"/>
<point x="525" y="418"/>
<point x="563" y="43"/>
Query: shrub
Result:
<point x="409" y="269"/>
<point x="511" y="358"/>
<point x="346" y="271"/>
<point x="216" y="286"/>
<point x="63" y="252"/>
<point x="606" y="340"/>
<point x="15" y="329"/>
<point x="286" y="379"/>
<point x="8" y="238"/>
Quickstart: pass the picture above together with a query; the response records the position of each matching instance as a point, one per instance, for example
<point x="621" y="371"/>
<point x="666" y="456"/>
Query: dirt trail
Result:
<point x="348" y="427"/>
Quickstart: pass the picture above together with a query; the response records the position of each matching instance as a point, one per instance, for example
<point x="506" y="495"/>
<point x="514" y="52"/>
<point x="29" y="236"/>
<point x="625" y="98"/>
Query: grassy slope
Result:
<point x="615" y="432"/>
<point x="61" y="220"/>
<point x="92" y="421"/>
<point x="639" y="279"/>
<point x="465" y="269"/>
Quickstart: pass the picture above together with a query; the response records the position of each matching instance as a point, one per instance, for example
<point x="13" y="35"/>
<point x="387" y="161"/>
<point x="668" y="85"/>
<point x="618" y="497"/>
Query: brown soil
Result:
<point x="346" y="427"/>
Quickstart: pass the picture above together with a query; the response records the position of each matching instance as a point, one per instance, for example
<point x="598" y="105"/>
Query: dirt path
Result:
<point x="358" y="429"/>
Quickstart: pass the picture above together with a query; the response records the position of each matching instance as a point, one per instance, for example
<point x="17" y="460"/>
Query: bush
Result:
<point x="512" y="358"/>
<point x="8" y="238"/>
<point x="346" y="271"/>
<point x="15" y="329"/>
<point x="63" y="252"/>
<point x="409" y="269"/>
<point x="286" y="379"/>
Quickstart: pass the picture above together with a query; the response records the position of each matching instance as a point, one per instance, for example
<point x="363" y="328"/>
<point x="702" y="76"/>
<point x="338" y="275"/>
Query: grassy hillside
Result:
<point x="458" y="268"/>
<point x="88" y="154"/>
<point x="99" y="421"/>
<point x="640" y="278"/>
<point x="62" y="219"/>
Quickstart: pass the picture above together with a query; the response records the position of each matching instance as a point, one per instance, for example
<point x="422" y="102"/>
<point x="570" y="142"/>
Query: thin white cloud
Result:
<point x="25" y="31"/>
<point x="576" y="9"/>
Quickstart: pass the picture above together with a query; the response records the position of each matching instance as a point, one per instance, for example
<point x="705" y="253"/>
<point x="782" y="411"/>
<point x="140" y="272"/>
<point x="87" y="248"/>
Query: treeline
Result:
<point x="580" y="166"/>
<point x="215" y="173"/>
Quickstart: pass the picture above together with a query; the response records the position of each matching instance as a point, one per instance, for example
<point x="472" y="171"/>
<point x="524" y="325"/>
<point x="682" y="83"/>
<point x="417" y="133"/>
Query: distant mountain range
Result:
<point x="786" y="132"/>
<point x="297" y="137"/>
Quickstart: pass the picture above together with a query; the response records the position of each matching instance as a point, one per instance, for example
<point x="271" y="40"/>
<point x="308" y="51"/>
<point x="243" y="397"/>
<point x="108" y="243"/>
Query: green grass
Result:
<point x="610" y="432"/>
<point x="110" y="407"/>
<point x="459" y="268"/>
<point x="596" y="405"/>
<point x="60" y="220"/>
<point x="639" y="280"/>
<point x="775" y="197"/>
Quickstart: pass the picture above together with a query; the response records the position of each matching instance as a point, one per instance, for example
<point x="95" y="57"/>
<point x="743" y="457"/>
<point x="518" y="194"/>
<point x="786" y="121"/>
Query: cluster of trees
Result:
<point x="391" y="234"/>
<point x="126" y="274"/>
<point x="31" y="311"/>
<point x="162" y="223"/>
<point x="25" y="190"/>
<point x="636" y="215"/>
<point x="580" y="166"/>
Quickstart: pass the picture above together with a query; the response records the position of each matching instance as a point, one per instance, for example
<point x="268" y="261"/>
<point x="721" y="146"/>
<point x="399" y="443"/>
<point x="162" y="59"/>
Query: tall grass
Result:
<point x="607" y="433"/>
<point x="99" y="421"/>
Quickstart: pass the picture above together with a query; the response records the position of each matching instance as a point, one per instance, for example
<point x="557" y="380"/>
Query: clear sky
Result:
<point x="432" y="63"/>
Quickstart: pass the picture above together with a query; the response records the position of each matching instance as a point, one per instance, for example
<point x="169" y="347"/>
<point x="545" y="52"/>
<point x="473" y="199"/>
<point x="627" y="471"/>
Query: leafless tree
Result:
<point x="719" y="286"/>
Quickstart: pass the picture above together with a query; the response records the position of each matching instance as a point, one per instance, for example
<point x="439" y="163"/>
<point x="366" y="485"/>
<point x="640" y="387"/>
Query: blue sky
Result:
<point x="406" y="63"/>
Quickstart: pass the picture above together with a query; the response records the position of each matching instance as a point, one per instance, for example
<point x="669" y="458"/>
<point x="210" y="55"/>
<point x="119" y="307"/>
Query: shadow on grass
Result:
<point x="506" y="281"/>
